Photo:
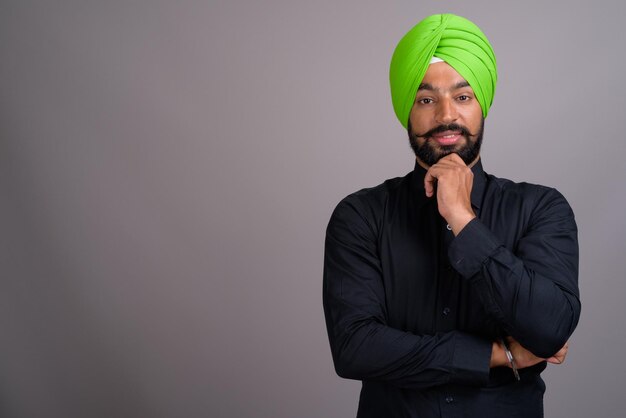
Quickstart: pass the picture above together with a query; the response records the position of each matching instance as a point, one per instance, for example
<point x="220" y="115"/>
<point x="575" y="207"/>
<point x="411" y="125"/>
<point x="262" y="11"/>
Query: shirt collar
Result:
<point x="478" y="188"/>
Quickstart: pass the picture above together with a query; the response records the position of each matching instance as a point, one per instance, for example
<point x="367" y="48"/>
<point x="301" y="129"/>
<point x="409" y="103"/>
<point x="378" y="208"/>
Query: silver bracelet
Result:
<point x="509" y="356"/>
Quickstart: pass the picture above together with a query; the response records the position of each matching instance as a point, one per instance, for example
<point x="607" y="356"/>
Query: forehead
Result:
<point x="442" y="76"/>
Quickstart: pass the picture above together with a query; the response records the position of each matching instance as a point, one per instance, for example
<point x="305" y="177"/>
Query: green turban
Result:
<point x="458" y="42"/>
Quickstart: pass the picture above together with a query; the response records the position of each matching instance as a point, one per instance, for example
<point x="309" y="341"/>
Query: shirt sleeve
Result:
<point x="363" y="346"/>
<point x="531" y="289"/>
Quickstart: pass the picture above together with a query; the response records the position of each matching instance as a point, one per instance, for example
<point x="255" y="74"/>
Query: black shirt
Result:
<point x="412" y="311"/>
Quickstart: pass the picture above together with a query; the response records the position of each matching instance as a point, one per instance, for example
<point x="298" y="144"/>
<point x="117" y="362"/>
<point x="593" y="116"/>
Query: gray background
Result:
<point x="167" y="170"/>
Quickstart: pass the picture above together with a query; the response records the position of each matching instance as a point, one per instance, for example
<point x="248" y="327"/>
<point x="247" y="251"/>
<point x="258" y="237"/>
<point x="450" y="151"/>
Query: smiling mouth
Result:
<point x="447" y="137"/>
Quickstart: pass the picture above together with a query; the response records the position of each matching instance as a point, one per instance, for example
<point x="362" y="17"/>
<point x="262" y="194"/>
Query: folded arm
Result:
<point x="531" y="290"/>
<point x="363" y="345"/>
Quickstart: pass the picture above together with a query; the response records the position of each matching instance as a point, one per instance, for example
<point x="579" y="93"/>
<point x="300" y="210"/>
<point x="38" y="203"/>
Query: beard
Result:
<point x="430" y="152"/>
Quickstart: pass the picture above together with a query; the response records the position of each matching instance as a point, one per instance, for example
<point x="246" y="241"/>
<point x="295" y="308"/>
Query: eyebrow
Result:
<point x="428" y="86"/>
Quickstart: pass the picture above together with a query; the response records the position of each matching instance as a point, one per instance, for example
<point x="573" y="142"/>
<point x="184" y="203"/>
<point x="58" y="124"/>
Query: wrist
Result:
<point x="498" y="356"/>
<point x="510" y="359"/>
<point x="460" y="221"/>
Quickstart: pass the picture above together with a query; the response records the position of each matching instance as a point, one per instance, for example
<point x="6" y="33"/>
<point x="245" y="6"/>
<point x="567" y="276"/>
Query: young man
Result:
<point x="448" y="290"/>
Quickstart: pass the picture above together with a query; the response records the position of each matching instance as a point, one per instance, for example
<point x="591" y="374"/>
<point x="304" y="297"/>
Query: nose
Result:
<point x="446" y="111"/>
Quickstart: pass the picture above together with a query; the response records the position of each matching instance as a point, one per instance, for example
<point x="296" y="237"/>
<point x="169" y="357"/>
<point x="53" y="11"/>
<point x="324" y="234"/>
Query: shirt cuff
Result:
<point x="471" y="248"/>
<point x="471" y="360"/>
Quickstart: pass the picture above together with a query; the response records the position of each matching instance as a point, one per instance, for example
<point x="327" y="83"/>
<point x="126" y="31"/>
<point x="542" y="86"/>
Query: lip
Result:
<point x="447" y="137"/>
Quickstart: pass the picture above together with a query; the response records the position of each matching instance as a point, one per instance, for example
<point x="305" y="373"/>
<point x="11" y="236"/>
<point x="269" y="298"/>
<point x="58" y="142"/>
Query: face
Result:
<point x="445" y="118"/>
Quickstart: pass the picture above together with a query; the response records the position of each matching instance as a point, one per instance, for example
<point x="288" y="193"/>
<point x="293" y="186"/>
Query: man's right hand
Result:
<point x="523" y="357"/>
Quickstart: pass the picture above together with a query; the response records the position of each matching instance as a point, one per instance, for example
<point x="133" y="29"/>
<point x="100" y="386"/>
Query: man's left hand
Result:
<point x="559" y="357"/>
<point x="454" y="181"/>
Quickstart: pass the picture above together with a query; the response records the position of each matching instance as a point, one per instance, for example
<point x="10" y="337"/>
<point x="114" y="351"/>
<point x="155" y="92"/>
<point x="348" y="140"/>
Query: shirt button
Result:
<point x="446" y="311"/>
<point x="449" y="399"/>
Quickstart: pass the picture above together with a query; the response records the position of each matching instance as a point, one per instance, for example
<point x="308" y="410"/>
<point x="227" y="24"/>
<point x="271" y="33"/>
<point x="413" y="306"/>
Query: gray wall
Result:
<point x="167" y="170"/>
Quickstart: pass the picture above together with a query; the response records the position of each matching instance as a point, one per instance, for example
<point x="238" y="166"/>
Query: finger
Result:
<point x="562" y="352"/>
<point x="454" y="157"/>
<point x="447" y="162"/>
<point x="429" y="183"/>
<point x="559" y="357"/>
<point x="556" y="360"/>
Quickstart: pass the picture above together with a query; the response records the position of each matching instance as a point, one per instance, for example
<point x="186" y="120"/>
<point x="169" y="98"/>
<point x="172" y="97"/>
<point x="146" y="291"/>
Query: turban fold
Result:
<point x="455" y="40"/>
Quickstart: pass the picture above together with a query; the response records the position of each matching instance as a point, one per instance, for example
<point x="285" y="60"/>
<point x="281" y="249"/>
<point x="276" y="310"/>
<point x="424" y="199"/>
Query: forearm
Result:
<point x="368" y="350"/>
<point x="363" y="344"/>
<point x="538" y="306"/>
<point x="533" y="309"/>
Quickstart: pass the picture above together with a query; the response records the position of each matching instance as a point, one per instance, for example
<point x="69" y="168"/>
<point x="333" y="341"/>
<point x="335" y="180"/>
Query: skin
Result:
<point x="444" y="98"/>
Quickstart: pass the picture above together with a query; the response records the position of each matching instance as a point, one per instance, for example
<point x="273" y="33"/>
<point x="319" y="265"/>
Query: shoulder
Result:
<point x="363" y="208"/>
<point x="534" y="199"/>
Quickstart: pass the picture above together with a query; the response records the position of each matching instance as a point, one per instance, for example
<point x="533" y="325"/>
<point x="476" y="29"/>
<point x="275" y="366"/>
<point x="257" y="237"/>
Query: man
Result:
<point x="448" y="291"/>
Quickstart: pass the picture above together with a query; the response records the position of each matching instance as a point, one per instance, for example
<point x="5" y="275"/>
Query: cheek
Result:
<point x="473" y="117"/>
<point x="420" y="121"/>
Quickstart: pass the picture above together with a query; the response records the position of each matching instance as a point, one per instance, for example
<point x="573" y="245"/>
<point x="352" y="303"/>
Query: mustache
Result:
<point x="442" y="128"/>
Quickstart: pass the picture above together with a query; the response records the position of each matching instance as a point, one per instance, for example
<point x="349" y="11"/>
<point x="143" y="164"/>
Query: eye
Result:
<point x="464" y="98"/>
<point x="425" y="100"/>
